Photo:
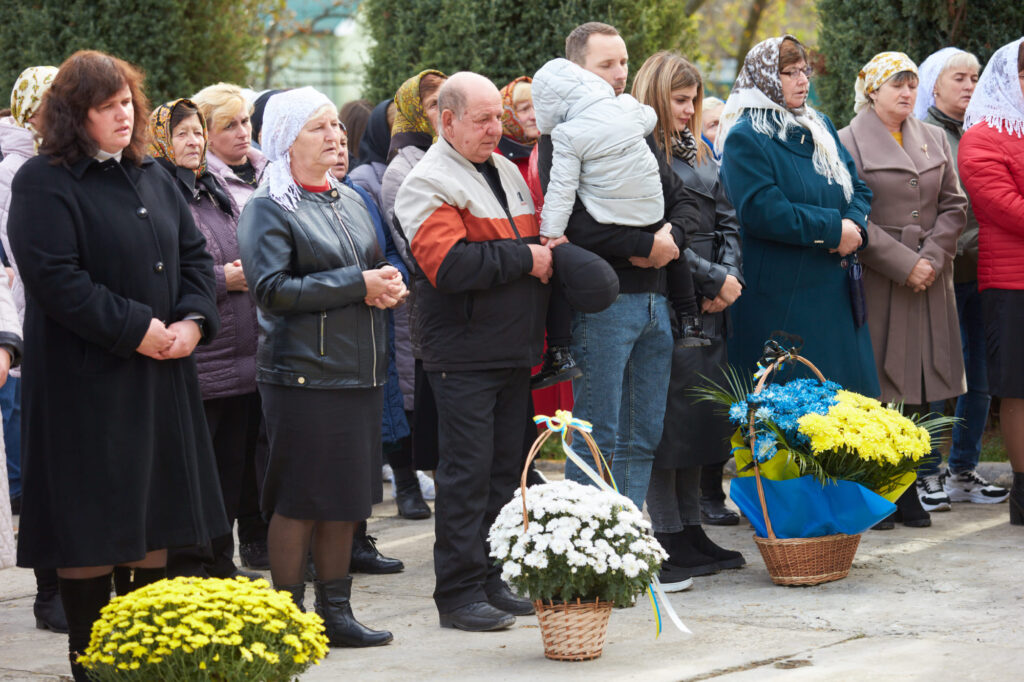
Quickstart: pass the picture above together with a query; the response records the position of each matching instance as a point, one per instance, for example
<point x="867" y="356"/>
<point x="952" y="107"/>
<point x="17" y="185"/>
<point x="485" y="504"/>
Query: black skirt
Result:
<point x="1004" y="328"/>
<point x="325" y="452"/>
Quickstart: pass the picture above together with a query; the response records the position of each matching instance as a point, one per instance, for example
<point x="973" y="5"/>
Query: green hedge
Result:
<point x="181" y="45"/>
<point x="504" y="39"/>
<point x="853" y="31"/>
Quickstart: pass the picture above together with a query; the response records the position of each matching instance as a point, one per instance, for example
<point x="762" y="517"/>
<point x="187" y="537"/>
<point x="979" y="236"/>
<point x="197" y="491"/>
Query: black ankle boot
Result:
<point x="888" y="523"/>
<point x="698" y="539"/>
<point x="297" y="592"/>
<point x="48" y="609"/>
<point x="128" y="579"/>
<point x="691" y="332"/>
<point x="910" y="511"/>
<point x="343" y="630"/>
<point x="1017" y="500"/>
<point x="366" y="558"/>
<point x="82" y="600"/>
<point x="408" y="496"/>
<point x="558" y="366"/>
<point x="682" y="554"/>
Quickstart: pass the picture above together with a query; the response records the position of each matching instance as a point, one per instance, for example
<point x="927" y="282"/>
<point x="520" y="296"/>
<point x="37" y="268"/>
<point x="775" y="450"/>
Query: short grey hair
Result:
<point x="452" y="97"/>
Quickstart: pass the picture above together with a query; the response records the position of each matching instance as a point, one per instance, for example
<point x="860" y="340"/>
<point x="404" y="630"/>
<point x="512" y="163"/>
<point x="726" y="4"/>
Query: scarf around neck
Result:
<point x="684" y="147"/>
<point x="997" y="99"/>
<point x="757" y="93"/>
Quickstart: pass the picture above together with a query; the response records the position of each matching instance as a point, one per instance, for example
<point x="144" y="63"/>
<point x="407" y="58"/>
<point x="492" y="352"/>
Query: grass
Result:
<point x="992" y="448"/>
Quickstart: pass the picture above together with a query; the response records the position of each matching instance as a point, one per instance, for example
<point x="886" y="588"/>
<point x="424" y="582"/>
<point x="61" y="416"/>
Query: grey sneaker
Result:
<point x="931" y="493"/>
<point x="968" y="486"/>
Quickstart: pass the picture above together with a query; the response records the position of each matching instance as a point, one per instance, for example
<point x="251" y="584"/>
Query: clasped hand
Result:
<point x="922" y="276"/>
<point x="384" y="287"/>
<point x="169" y="342"/>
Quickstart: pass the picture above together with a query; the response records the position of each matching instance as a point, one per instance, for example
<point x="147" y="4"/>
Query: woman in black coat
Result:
<point x="695" y="435"/>
<point x="117" y="459"/>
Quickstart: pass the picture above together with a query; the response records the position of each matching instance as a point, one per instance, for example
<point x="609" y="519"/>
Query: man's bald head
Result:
<point x="470" y="106"/>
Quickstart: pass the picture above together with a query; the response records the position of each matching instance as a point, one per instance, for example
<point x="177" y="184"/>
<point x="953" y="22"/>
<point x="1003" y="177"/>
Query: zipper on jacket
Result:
<point x="323" y="319"/>
<point x="369" y="310"/>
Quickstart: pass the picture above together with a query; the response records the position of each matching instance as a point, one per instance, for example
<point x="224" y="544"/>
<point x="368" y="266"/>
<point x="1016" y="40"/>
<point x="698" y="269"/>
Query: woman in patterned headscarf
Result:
<point x="518" y="123"/>
<point x="227" y="365"/>
<point x="917" y="213"/>
<point x="992" y="170"/>
<point x="802" y="210"/>
<point x="18" y="143"/>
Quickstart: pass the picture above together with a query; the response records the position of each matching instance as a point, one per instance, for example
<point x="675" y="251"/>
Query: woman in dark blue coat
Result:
<point x="803" y="211"/>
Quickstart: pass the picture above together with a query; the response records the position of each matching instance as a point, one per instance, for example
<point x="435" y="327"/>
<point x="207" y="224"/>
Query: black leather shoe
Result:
<point x="366" y="558"/>
<point x="254" y="555"/>
<point x="49" y="613"/>
<point x="909" y="510"/>
<point x="558" y="366"/>
<point x="343" y="630"/>
<point x="713" y="512"/>
<point x="478" y="616"/>
<point x="508" y="601"/>
<point x="241" y="573"/>
<point x="888" y="523"/>
<point x="296" y="592"/>
<point x="409" y="499"/>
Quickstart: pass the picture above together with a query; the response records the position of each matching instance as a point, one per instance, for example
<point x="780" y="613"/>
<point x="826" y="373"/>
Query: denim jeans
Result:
<point x="10" y="407"/>
<point x="625" y="353"/>
<point x="972" y="407"/>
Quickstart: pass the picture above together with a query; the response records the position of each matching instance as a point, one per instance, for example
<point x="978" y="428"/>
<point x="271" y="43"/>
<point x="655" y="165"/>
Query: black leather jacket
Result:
<point x="304" y="269"/>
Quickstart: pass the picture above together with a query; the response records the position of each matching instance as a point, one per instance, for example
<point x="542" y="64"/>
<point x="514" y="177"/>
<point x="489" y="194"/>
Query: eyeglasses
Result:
<point x="795" y="73"/>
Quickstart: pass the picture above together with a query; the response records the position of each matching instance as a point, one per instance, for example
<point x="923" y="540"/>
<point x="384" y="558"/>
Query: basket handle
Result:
<point x="535" y="449"/>
<point x="774" y="366"/>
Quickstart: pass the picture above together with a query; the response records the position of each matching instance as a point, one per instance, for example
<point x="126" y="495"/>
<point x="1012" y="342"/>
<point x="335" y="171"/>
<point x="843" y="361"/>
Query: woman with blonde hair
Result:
<point x="231" y="157"/>
<point x="695" y="435"/>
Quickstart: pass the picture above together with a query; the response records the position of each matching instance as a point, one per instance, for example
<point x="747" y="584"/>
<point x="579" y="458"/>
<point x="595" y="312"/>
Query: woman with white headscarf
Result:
<point x="802" y="210"/>
<point x="948" y="79"/>
<point x="321" y="284"/>
<point x="917" y="214"/>
<point x="992" y="170"/>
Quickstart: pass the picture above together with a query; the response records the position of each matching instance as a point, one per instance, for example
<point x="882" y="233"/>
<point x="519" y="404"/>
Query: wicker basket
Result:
<point x="572" y="631"/>
<point x="575" y="631"/>
<point x="800" y="561"/>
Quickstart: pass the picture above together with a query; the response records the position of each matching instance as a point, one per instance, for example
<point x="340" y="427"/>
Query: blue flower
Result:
<point x="784" y="404"/>
<point x="738" y="412"/>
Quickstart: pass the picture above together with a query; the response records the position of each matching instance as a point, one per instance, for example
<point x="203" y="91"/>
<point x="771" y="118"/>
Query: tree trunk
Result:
<point x="757" y="8"/>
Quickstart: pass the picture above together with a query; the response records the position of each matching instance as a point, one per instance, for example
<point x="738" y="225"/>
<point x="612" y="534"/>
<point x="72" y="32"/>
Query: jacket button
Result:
<point x="913" y="182"/>
<point x="915" y="214"/>
<point x="141" y="212"/>
<point x="158" y="267"/>
<point x="334" y="193"/>
<point x="301" y="380"/>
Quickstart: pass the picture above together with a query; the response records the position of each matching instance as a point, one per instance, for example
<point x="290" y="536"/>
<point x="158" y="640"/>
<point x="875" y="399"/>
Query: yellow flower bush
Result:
<point x="204" y="629"/>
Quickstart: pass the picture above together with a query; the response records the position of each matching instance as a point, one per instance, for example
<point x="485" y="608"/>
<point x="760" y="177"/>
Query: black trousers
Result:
<point x="234" y="425"/>
<point x="480" y="438"/>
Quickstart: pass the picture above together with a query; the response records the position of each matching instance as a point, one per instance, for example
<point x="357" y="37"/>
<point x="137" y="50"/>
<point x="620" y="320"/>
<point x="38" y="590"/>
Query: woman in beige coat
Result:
<point x="917" y="213"/>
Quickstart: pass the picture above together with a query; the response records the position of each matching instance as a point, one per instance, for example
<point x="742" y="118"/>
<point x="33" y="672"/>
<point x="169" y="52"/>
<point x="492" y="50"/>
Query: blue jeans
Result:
<point x="625" y="353"/>
<point x="10" y="407"/>
<point x="971" y="407"/>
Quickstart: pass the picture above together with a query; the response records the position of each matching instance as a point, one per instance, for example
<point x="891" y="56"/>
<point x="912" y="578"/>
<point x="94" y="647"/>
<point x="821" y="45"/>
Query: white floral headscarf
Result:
<point x="875" y="73"/>
<point x="928" y="73"/>
<point x="283" y="119"/>
<point x="998" y="100"/>
<point x="758" y="92"/>
<point x="27" y="93"/>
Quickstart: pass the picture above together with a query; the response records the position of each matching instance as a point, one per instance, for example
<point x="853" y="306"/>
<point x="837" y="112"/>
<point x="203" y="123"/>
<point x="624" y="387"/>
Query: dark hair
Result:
<point x="6" y="111"/>
<point x="182" y="110"/>
<point x="354" y="116"/>
<point x="904" y="77"/>
<point x="85" y="80"/>
<point x="1020" y="57"/>
<point x="576" y="41"/>
<point x="429" y="84"/>
<point x="790" y="53"/>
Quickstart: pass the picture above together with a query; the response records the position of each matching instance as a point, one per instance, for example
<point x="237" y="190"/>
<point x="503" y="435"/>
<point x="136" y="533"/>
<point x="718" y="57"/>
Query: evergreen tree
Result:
<point x="504" y="39"/>
<point x="853" y="31"/>
<point x="181" y="46"/>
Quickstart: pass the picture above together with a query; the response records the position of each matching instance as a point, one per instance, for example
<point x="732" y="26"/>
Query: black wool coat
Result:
<point x="116" y="455"/>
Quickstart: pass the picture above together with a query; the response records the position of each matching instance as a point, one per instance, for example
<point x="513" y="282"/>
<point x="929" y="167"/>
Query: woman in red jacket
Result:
<point x="992" y="171"/>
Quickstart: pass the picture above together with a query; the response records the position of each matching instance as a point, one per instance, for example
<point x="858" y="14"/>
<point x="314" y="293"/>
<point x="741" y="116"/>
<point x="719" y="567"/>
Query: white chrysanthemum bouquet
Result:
<point x="581" y="542"/>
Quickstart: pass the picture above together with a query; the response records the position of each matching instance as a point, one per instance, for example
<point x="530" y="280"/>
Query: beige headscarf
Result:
<point x="875" y="73"/>
<point x="28" y="91"/>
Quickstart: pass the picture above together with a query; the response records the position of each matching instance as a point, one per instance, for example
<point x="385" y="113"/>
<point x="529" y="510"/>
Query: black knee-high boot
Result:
<point x="127" y="579"/>
<point x="82" y="601"/>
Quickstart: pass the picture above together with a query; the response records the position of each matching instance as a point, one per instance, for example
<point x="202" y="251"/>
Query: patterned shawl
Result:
<point x="160" y="133"/>
<point x="875" y="73"/>
<point x="27" y="94"/>
<point x="511" y="126"/>
<point x="757" y="93"/>
<point x="411" y="126"/>
<point x="998" y="100"/>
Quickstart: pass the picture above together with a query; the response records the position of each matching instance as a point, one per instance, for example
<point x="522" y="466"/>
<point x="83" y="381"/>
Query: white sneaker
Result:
<point x="426" y="485"/>
<point x="968" y="486"/>
<point x="931" y="493"/>
<point x="387" y="473"/>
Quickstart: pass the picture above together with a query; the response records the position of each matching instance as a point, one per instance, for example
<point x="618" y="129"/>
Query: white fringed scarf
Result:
<point x="998" y="100"/>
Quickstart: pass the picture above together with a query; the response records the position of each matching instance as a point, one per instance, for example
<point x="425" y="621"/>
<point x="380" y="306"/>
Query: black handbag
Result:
<point x="858" y="301"/>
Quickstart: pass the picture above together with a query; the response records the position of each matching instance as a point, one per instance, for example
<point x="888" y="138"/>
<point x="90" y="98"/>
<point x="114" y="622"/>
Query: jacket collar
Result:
<point x="879" y="150"/>
<point x="946" y="121"/>
<point x="221" y="169"/>
<point x="695" y="180"/>
<point x="513" y="150"/>
<point x="79" y="167"/>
